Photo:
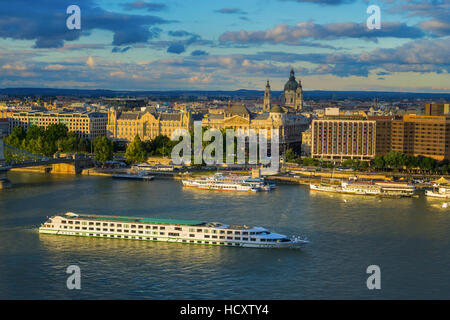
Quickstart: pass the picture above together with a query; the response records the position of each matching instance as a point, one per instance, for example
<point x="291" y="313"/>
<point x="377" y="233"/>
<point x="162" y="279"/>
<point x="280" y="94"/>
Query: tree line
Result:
<point x="392" y="161"/>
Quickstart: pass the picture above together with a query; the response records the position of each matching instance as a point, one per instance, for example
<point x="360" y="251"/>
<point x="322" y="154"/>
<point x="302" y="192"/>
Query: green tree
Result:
<point x="103" y="149"/>
<point x="289" y="155"/>
<point x="136" y="151"/>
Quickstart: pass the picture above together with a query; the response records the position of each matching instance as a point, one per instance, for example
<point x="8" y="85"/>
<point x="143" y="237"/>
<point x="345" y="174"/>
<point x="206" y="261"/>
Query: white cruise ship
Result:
<point x="438" y="192"/>
<point x="167" y="230"/>
<point x="220" y="182"/>
<point x="378" y="188"/>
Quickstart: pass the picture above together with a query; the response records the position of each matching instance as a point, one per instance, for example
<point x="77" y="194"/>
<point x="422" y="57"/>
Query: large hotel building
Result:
<point x="88" y="125"/>
<point x="358" y="137"/>
<point x="341" y="137"/>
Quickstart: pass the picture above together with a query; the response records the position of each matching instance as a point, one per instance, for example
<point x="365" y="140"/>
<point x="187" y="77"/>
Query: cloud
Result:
<point x="14" y="67"/>
<point x="323" y="2"/>
<point x="292" y="35"/>
<point x="179" y="33"/>
<point x="54" y="67"/>
<point x="90" y="62"/>
<point x="45" y="23"/>
<point x="231" y="11"/>
<point x="199" y="53"/>
<point x="144" y="5"/>
<point x="176" y="47"/>
<point x="121" y="50"/>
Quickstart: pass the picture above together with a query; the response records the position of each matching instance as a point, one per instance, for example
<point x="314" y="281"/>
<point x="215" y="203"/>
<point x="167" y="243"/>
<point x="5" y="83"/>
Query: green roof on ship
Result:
<point x="149" y="220"/>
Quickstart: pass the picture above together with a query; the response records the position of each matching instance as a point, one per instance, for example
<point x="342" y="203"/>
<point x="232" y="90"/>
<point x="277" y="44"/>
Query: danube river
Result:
<point x="408" y="239"/>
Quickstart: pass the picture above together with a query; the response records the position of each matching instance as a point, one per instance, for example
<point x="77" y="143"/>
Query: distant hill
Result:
<point x="237" y="94"/>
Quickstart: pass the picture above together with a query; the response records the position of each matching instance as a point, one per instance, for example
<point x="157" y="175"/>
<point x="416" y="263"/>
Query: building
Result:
<point x="427" y="136"/>
<point x="4" y="127"/>
<point x="343" y="137"/>
<point x="238" y="117"/>
<point x="306" y="143"/>
<point x="88" y="125"/>
<point x="125" y="125"/>
<point x="383" y="134"/>
<point x="267" y="98"/>
<point x="436" y="109"/>
<point x="292" y="96"/>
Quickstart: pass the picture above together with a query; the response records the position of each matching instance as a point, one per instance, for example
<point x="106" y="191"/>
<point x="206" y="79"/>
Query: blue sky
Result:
<point x="226" y="45"/>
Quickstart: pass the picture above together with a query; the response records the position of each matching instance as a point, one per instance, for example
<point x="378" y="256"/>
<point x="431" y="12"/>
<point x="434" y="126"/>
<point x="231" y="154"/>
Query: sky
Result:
<point x="226" y="45"/>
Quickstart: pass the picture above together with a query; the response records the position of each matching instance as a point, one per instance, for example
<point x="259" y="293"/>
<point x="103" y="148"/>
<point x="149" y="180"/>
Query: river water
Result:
<point x="408" y="239"/>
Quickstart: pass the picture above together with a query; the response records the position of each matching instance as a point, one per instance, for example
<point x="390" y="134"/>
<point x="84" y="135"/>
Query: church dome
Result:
<point x="276" y="109"/>
<point x="291" y="85"/>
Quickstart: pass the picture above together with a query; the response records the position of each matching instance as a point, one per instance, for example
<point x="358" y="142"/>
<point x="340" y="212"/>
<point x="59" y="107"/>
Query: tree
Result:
<point x="136" y="151"/>
<point x="290" y="155"/>
<point x="103" y="149"/>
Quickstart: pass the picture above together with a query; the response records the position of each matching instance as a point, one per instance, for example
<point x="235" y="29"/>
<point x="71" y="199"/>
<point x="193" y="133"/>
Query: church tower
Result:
<point x="299" y="97"/>
<point x="267" y="98"/>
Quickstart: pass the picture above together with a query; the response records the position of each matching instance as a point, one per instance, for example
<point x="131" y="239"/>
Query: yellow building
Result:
<point x="238" y="117"/>
<point x="124" y="126"/>
<point x="88" y="125"/>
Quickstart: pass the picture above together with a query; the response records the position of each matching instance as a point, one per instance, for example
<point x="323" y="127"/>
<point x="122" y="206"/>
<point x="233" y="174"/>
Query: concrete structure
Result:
<point x="427" y="136"/>
<point x="306" y="143"/>
<point x="338" y="138"/>
<point x="267" y="98"/>
<point x="88" y="125"/>
<point x="292" y="96"/>
<point x="238" y="117"/>
<point x="4" y="127"/>
<point x="124" y="126"/>
<point x="436" y="109"/>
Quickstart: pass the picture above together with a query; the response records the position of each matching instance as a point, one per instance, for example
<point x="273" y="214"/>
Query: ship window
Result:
<point x="222" y="237"/>
<point x="133" y="231"/>
<point x="148" y="227"/>
<point x="199" y="242"/>
<point x="105" y="224"/>
<point x="192" y="235"/>
<point x="245" y="239"/>
<point x="174" y="234"/>
<point x="63" y="221"/>
<point x="229" y="244"/>
<point x="126" y="225"/>
<point x="155" y="227"/>
<point x="252" y="239"/>
<point x="105" y="229"/>
<point x="206" y="236"/>
<point x="263" y="240"/>
<point x="206" y="230"/>
<point x="119" y="225"/>
<point x="97" y="229"/>
<point x="222" y="232"/>
<point x="97" y="224"/>
<point x="230" y="238"/>
<point x="214" y="237"/>
<point x="207" y="242"/>
<point x="119" y="230"/>
<point x="191" y="230"/>
<point x="192" y="241"/>
<point x="77" y="228"/>
<point x="245" y="233"/>
<point x="111" y="224"/>
<point x="178" y="228"/>
<point x="126" y="237"/>
<point x="251" y="233"/>
<point x="111" y="230"/>
<point x="214" y="231"/>
<point x="237" y="232"/>
<point x="229" y="232"/>
<point x="84" y="228"/>
<point x="70" y="222"/>
<point x="162" y="228"/>
<point x="77" y="222"/>
<point x="84" y="223"/>
<point x="140" y="226"/>
<point x="184" y="240"/>
<point x="214" y="242"/>
<point x="133" y="226"/>
<point x="161" y="233"/>
<point x="126" y="231"/>
<point x="199" y="230"/>
<point x="237" y="238"/>
<point x="155" y="238"/>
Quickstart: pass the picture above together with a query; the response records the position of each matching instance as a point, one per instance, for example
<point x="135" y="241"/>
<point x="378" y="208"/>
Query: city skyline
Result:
<point x="212" y="45"/>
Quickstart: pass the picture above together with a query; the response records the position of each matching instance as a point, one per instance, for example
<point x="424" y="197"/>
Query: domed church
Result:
<point x="292" y="96"/>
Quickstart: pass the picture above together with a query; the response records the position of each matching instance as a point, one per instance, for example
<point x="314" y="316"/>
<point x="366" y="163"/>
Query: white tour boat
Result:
<point x="439" y="191"/>
<point x="167" y="230"/>
<point x="220" y="182"/>
<point x="377" y="188"/>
